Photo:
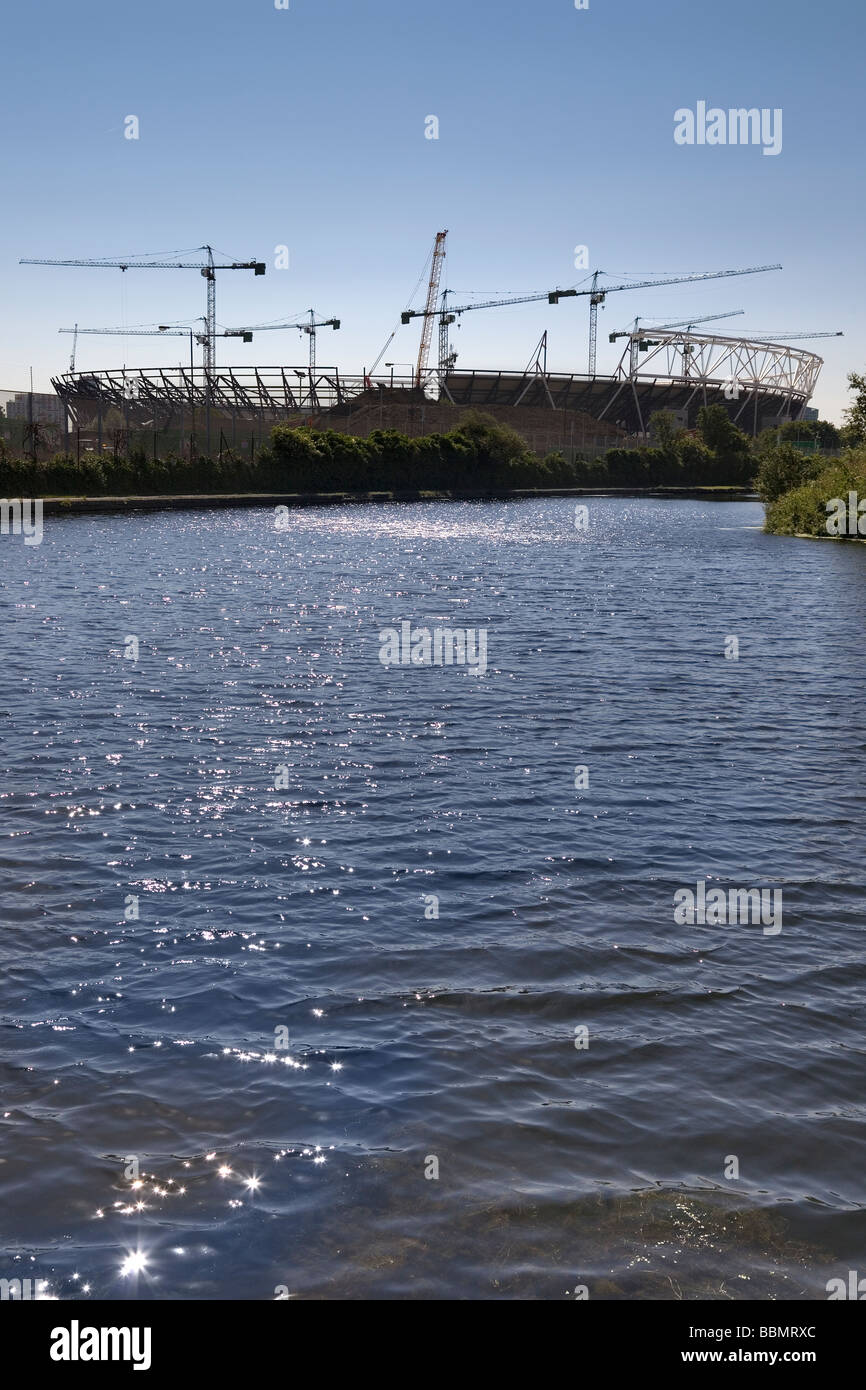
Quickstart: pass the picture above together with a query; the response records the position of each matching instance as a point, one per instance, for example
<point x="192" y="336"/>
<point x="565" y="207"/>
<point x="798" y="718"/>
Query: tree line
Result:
<point x="481" y="454"/>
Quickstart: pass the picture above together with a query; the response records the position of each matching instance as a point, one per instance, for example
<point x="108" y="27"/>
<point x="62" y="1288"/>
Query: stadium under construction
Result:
<point x="758" y="383"/>
<point x="672" y="367"/>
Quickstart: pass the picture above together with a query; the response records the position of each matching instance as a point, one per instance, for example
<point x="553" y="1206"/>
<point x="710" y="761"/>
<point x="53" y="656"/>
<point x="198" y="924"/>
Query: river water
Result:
<point x="326" y="1089"/>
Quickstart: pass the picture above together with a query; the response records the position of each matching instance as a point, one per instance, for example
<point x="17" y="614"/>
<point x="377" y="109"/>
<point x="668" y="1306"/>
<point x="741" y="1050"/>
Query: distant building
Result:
<point x="773" y="422"/>
<point x="48" y="409"/>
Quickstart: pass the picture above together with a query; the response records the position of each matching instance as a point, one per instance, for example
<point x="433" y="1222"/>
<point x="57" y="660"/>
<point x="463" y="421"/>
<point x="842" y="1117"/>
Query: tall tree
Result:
<point x="855" y="415"/>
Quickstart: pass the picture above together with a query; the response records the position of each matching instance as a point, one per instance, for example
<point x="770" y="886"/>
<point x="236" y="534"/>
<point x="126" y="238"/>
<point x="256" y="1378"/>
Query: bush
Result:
<point x="783" y="469"/>
<point x="719" y="433"/>
<point x="696" y="460"/>
<point x="803" y="509"/>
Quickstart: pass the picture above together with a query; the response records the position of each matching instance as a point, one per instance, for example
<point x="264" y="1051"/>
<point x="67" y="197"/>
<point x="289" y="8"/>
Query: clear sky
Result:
<point x="305" y="127"/>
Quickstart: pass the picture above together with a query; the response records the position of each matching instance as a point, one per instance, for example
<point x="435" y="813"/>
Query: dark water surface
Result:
<point x="303" y="908"/>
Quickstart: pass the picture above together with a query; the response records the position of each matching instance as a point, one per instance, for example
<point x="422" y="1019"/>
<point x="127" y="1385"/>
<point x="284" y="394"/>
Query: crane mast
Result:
<point x="210" y="344"/>
<point x="310" y="330"/>
<point x="446" y="357"/>
<point x="430" y="309"/>
<point x="594" y="300"/>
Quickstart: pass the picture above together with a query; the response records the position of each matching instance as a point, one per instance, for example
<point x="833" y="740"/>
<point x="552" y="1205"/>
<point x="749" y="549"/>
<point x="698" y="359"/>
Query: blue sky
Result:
<point x="305" y="127"/>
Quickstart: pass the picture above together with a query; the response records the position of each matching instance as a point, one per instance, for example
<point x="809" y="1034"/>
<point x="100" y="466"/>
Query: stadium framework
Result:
<point x="759" y="383"/>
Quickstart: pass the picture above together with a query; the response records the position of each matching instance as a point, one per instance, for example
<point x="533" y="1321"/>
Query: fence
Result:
<point x="38" y="426"/>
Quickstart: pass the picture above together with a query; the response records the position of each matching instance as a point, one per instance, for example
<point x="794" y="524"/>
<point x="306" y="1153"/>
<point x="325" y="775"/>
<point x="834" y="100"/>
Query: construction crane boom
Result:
<point x="690" y="323"/>
<point x="408" y="314"/>
<point x="596" y="295"/>
<point x="680" y="323"/>
<point x="783" y="338"/>
<point x="368" y="375"/>
<point x="308" y="326"/>
<point x="244" y="333"/>
<point x="207" y="268"/>
<point x="131" y="332"/>
<point x="302" y="324"/>
<point x="163" y="331"/>
<point x="153" y="265"/>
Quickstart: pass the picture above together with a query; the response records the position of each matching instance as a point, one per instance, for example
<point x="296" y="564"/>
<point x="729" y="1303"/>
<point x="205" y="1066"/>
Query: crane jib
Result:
<point x="206" y="268"/>
<point x="554" y="296"/>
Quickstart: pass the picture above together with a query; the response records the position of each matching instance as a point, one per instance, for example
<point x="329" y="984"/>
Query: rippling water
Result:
<point x="266" y="1170"/>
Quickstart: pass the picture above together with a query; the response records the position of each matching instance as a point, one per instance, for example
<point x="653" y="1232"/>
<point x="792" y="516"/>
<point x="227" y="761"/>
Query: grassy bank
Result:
<point x="74" y="505"/>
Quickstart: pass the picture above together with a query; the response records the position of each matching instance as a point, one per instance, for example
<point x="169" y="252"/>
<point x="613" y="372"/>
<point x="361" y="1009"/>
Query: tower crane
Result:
<point x="208" y="268"/>
<point x="596" y="295"/>
<point x="310" y="330"/>
<point x="308" y="326"/>
<point x="163" y="331"/>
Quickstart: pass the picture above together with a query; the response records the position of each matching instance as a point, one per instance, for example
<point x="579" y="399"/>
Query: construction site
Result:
<point x="677" y="367"/>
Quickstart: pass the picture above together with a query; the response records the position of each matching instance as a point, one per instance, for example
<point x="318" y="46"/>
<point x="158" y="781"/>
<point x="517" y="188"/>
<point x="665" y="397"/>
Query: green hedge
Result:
<point x="481" y="454"/>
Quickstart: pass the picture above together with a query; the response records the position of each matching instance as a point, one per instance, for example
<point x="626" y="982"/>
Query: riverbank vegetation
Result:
<point x="813" y="495"/>
<point x="801" y="492"/>
<point x="481" y="454"/>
